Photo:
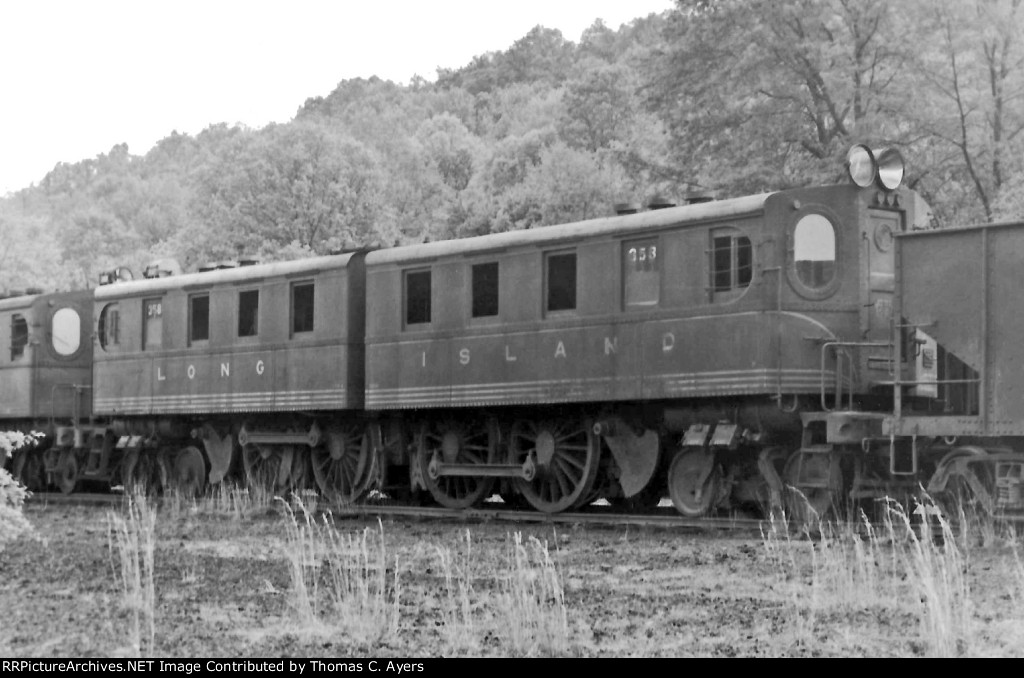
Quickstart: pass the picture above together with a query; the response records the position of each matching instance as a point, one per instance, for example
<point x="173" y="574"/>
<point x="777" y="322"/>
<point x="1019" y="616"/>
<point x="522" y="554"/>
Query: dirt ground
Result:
<point x="223" y="586"/>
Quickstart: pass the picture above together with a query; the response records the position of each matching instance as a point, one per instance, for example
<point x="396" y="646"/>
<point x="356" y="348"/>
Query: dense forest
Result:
<point x="727" y="96"/>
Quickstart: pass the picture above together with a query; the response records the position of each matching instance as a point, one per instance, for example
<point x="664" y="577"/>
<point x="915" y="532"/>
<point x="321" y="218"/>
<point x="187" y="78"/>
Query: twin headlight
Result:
<point x="883" y="166"/>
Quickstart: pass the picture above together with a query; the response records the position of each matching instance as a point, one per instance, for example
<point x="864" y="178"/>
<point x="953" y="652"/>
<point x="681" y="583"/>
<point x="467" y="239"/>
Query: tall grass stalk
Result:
<point x="132" y="539"/>
<point x="341" y="580"/>
<point x="456" y="608"/>
<point x="533" y="600"/>
<point x="861" y="566"/>
<point x="937" y="572"/>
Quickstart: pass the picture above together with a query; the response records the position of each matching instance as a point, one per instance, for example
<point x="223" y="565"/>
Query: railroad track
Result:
<point x="664" y="518"/>
<point x="594" y="515"/>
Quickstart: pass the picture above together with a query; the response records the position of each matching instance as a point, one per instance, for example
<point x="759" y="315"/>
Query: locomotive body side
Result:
<point x="649" y="318"/>
<point x="302" y="348"/>
<point x="719" y="321"/>
<point x="251" y="361"/>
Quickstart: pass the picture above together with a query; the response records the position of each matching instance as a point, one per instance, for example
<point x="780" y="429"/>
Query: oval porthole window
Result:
<point x="814" y="251"/>
<point x="66" y="331"/>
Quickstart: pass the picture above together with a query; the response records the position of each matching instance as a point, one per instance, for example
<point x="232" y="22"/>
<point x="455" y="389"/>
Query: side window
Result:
<point x="732" y="261"/>
<point x="302" y="307"/>
<point x="417" y="297"/>
<point x="560" y="280"/>
<point x="198" y="318"/>
<point x="19" y="336"/>
<point x="66" y="331"/>
<point x="248" y="313"/>
<point x="641" y="273"/>
<point x="485" y="290"/>
<point x="814" y="251"/>
<point x="109" y="328"/>
<point x="152" y="324"/>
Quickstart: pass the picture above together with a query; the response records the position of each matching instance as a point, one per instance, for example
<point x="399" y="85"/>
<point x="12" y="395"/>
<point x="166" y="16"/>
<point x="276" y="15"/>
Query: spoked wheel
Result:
<point x="273" y="468"/>
<point x="694" y="482"/>
<point x="67" y="472"/>
<point x="455" y="443"/>
<point x="566" y="456"/>
<point x="814" y="487"/>
<point x="189" y="472"/>
<point x="28" y="469"/>
<point x="142" y="473"/>
<point x="343" y="464"/>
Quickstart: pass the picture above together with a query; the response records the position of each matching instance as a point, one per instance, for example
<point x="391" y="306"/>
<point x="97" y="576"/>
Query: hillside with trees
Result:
<point x="731" y="96"/>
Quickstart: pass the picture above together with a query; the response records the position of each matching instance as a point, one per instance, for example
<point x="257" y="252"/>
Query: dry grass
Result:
<point x="900" y="568"/>
<point x="341" y="581"/>
<point x="132" y="539"/>
<point x="459" y="628"/>
<point x="533" y="598"/>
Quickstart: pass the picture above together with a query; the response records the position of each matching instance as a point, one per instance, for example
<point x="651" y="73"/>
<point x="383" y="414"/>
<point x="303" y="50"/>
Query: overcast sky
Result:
<point x="80" y="76"/>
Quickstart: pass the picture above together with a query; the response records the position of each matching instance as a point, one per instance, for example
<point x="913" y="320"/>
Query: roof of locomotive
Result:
<point x="239" y="274"/>
<point x="27" y="300"/>
<point x="642" y="221"/>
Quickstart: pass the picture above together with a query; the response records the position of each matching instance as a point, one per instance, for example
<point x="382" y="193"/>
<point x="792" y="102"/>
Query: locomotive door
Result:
<point x="878" y="285"/>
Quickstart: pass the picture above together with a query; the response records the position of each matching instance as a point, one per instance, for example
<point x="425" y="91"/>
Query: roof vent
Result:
<point x="226" y="264"/>
<point x="659" y="203"/>
<point x="697" y="197"/>
<point x="120" y="274"/>
<point x="207" y="267"/>
<point x="622" y="208"/>
<point x="248" y="261"/>
<point x="162" y="268"/>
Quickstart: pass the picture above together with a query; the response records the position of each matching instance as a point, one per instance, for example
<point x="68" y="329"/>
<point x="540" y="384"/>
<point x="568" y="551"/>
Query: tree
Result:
<point x="971" y="70"/>
<point x="13" y="523"/>
<point x="758" y="94"/>
<point x="598" y="104"/>
<point x="301" y="183"/>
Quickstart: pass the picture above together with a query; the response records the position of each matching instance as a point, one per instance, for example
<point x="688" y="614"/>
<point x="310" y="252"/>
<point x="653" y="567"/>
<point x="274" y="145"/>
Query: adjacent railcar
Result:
<point x="196" y="371"/>
<point x="699" y="345"/>
<point x="959" y="294"/>
<point x="46" y="376"/>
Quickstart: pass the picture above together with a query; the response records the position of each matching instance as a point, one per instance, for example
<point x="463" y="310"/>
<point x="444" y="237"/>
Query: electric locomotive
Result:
<point x="257" y="367"/>
<point x="725" y="354"/>
<point x="704" y="351"/>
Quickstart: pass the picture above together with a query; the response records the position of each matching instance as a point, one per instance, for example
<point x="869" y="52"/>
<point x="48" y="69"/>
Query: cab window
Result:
<point x="248" y="313"/>
<point x="152" y="324"/>
<point x="417" y="297"/>
<point x="561" y="281"/>
<point x="109" y="328"/>
<point x="66" y="332"/>
<point x="641" y="273"/>
<point x="485" y="289"/>
<point x="814" y="251"/>
<point x="732" y="261"/>
<point x="198" y="318"/>
<point x="302" y="308"/>
<point x="19" y="336"/>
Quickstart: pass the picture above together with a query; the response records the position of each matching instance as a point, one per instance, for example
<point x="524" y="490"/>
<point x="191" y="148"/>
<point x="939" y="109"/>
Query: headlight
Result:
<point x="861" y="165"/>
<point x="882" y="165"/>
<point x="890" y="168"/>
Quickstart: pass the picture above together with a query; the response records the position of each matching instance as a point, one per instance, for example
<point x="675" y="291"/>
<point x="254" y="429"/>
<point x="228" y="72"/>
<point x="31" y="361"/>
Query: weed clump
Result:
<point x="132" y="540"/>
<point x="341" y="581"/>
<point x="901" y="568"/>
